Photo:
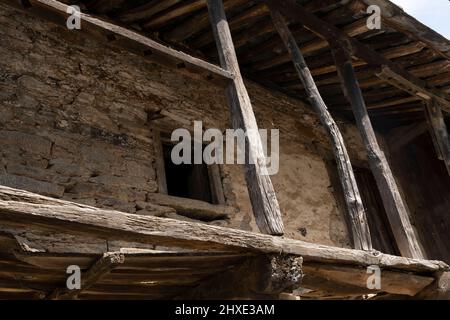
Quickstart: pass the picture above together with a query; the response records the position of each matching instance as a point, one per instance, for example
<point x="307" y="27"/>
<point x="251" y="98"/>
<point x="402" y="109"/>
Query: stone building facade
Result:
<point x="76" y="123"/>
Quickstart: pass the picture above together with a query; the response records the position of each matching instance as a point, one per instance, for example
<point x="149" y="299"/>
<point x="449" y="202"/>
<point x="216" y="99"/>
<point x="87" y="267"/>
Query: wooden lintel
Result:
<point x="19" y="208"/>
<point x="401" y="226"/>
<point x="115" y="35"/>
<point x="296" y="13"/>
<point x="259" y="185"/>
<point x="192" y="208"/>
<point x="108" y="262"/>
<point x="438" y="131"/>
<point x="357" y="215"/>
<point x="261" y="277"/>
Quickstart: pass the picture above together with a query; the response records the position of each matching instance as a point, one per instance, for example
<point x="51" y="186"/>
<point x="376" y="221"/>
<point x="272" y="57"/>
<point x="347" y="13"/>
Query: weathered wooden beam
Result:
<point x="273" y="45"/>
<point x="394" y="17"/>
<point x="438" y="290"/>
<point x="239" y="20"/>
<point x="402" y="229"/>
<point x="215" y="182"/>
<point x="393" y="78"/>
<point x="354" y="29"/>
<point x="438" y="131"/>
<point x="196" y="23"/>
<point x="294" y="12"/>
<point x="108" y="262"/>
<point x="391" y="282"/>
<point x="184" y="8"/>
<point x="355" y="208"/>
<point x="262" y="194"/>
<point x="315" y="287"/>
<point x="159" y="162"/>
<point x="262" y="277"/>
<point x="56" y="11"/>
<point x="192" y="208"/>
<point x="21" y="209"/>
<point x="146" y="10"/>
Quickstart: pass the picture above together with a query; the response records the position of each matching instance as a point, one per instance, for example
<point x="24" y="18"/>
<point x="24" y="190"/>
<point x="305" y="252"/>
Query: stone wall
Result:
<point x="74" y="125"/>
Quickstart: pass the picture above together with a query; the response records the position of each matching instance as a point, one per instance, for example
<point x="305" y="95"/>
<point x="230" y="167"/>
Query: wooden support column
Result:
<point x="357" y="216"/>
<point x="103" y="266"/>
<point x="262" y="277"/>
<point x="402" y="229"/>
<point x="262" y="195"/>
<point x="438" y="131"/>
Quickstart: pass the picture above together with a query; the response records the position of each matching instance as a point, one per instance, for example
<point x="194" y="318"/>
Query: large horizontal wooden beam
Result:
<point x="115" y="35"/>
<point x="332" y="34"/>
<point x="261" y="277"/>
<point x="391" y="282"/>
<point x="22" y="208"/>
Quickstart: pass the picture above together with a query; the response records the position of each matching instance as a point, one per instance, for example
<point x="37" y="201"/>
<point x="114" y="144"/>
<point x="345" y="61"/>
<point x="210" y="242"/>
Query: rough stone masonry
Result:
<point x="75" y="123"/>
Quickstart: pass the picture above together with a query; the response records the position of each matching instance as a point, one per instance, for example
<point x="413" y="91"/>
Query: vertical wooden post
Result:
<point x="159" y="162"/>
<point x="262" y="195"/>
<point x="438" y="131"/>
<point x="402" y="229"/>
<point x="357" y="215"/>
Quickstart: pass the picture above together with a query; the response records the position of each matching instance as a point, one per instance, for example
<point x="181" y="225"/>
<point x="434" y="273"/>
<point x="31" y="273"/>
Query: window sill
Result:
<point x="195" y="209"/>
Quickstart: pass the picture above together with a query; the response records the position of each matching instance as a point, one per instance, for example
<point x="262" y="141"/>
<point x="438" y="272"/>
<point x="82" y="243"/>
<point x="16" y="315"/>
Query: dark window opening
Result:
<point x="380" y="230"/>
<point x="187" y="180"/>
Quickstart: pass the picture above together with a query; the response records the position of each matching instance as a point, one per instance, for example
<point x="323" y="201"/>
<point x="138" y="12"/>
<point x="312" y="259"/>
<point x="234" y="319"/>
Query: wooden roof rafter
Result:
<point x="334" y="35"/>
<point x="26" y="208"/>
<point x="129" y="40"/>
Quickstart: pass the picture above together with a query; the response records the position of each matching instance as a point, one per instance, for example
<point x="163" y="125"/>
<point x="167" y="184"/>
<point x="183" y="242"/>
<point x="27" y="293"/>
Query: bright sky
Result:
<point x="433" y="13"/>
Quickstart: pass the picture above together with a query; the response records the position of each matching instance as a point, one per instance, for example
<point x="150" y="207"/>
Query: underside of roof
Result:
<point x="129" y="256"/>
<point x="263" y="58"/>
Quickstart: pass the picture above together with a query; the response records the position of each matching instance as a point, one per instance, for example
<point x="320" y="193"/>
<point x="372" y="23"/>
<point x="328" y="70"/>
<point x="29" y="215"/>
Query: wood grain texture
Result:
<point x="407" y="241"/>
<point x="259" y="185"/>
<point x="261" y="277"/>
<point x="391" y="282"/>
<point x="331" y="34"/>
<point x="102" y="267"/>
<point x="438" y="131"/>
<point x="192" y="208"/>
<point x="355" y="209"/>
<point x="113" y="34"/>
<point x="20" y="208"/>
